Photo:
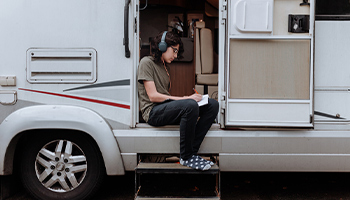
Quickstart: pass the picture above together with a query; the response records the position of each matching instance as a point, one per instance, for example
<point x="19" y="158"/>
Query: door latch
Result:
<point x="298" y="23"/>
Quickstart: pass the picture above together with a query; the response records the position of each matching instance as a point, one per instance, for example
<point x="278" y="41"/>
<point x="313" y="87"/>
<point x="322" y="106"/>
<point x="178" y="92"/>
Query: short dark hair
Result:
<point x="171" y="39"/>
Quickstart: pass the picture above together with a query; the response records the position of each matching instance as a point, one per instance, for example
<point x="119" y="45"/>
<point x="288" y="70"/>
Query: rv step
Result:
<point x="189" y="198"/>
<point x="152" y="171"/>
<point x="171" y="168"/>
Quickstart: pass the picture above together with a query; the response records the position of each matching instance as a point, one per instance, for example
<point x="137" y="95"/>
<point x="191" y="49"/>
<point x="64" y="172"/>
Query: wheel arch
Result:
<point x="26" y="121"/>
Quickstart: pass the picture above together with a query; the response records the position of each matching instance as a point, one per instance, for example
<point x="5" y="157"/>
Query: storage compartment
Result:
<point x="249" y="16"/>
<point x="8" y="97"/>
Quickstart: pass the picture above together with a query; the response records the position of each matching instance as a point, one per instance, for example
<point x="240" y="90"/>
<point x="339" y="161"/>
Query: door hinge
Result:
<point x="135" y="25"/>
<point x="311" y="117"/>
<point x="223" y="102"/>
<point x="224" y="10"/>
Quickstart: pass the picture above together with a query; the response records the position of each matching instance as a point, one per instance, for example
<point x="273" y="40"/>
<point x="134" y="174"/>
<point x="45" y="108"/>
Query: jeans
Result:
<point x="186" y="112"/>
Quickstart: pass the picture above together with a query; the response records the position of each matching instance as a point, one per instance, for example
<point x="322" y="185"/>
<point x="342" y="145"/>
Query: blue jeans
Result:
<point x="186" y="113"/>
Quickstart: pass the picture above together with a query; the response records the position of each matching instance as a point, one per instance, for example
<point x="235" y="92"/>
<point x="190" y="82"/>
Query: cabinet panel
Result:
<point x="269" y="69"/>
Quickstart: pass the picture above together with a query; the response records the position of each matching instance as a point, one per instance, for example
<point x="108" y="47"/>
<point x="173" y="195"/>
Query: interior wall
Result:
<point x="154" y="19"/>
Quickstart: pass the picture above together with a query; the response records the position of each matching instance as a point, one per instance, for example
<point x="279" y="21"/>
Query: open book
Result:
<point x="204" y="100"/>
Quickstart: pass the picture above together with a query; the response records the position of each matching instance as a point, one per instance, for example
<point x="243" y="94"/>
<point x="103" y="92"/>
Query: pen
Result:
<point x="195" y="91"/>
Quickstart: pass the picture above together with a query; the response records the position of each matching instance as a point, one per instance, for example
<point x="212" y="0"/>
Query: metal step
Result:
<point x="160" y="198"/>
<point x="153" y="170"/>
<point x="171" y="168"/>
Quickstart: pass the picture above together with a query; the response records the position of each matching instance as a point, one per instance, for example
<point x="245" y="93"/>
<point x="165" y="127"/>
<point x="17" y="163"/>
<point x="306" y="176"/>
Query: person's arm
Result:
<point x="157" y="97"/>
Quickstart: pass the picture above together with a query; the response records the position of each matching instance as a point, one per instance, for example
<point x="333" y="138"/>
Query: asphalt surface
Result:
<point x="246" y="185"/>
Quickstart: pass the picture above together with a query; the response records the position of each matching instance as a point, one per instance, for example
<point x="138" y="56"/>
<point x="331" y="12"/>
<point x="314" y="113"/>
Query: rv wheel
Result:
<point x="57" y="168"/>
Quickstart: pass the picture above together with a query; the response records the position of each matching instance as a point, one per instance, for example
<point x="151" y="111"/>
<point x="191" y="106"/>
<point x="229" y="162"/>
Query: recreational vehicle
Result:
<point x="69" y="110"/>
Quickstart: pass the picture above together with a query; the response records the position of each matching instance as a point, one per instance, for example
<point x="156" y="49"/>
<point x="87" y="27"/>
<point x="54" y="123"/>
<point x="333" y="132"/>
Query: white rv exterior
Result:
<point x="65" y="80"/>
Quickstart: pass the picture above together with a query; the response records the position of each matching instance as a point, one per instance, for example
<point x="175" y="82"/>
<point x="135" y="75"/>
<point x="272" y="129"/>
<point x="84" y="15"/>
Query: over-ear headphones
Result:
<point x="162" y="44"/>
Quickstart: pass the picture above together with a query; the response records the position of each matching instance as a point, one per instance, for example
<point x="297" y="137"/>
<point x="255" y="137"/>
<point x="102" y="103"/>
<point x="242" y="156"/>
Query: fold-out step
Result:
<point x="171" y="168"/>
<point x="171" y="185"/>
<point x="165" y="198"/>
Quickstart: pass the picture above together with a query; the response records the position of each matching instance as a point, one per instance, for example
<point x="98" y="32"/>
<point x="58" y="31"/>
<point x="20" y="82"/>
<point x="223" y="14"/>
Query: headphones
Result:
<point x="162" y="45"/>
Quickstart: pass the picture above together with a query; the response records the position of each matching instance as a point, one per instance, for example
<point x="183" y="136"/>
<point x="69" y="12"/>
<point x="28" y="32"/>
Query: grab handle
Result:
<point x="126" y="29"/>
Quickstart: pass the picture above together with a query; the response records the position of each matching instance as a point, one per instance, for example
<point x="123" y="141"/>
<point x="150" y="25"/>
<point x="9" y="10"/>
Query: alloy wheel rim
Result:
<point x="61" y="166"/>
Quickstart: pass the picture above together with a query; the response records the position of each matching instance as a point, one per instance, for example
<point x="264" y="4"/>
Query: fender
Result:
<point x="60" y="117"/>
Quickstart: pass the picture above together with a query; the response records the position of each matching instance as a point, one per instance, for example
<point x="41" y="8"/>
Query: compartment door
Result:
<point x="269" y="79"/>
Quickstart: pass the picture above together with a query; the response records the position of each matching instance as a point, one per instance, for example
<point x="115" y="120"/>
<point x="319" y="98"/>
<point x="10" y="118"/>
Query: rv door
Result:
<point x="269" y="63"/>
<point x="134" y="21"/>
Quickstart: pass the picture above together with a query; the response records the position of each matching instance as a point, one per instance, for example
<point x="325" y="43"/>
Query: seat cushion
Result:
<point x="207" y="79"/>
<point x="207" y="54"/>
<point x="198" y="53"/>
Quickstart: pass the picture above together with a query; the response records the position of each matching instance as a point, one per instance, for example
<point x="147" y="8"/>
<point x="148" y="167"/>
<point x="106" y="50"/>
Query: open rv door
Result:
<point x="136" y="59"/>
<point x="222" y="21"/>
<point x="269" y="63"/>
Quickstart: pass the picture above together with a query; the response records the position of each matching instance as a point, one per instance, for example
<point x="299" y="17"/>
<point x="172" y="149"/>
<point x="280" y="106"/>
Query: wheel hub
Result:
<point x="60" y="166"/>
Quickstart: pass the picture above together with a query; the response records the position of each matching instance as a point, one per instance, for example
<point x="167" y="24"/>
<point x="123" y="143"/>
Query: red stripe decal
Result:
<point x="80" y="98"/>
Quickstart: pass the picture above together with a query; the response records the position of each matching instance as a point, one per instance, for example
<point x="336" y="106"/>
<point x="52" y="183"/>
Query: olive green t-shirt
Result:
<point x="150" y="70"/>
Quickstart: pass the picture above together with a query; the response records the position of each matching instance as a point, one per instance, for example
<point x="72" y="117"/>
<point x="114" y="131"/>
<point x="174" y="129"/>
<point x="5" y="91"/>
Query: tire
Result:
<point x="60" y="166"/>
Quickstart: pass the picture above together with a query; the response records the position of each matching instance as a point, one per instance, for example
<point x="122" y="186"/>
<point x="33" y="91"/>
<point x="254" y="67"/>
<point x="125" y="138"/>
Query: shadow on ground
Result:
<point x="238" y="186"/>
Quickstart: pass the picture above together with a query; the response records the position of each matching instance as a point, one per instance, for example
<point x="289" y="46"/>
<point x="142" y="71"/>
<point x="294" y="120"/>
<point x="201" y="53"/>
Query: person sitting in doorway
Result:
<point x="159" y="108"/>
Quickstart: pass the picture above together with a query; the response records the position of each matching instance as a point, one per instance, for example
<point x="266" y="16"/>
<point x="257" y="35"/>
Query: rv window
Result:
<point x="333" y="10"/>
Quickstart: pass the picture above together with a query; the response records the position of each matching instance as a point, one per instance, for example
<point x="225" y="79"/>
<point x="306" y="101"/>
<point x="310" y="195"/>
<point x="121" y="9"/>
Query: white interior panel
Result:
<point x="269" y="113"/>
<point x="282" y="8"/>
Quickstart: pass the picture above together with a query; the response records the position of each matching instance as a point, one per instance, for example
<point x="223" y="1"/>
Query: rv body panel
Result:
<point x="68" y="53"/>
<point x="324" y="149"/>
<point x="65" y="53"/>
<point x="332" y="81"/>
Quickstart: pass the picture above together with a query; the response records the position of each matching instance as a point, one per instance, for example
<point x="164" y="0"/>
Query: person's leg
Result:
<point x="184" y="112"/>
<point x="207" y="114"/>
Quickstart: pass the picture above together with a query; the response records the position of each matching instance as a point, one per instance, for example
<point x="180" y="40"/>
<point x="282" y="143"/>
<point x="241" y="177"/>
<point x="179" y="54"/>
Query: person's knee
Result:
<point x="214" y="105"/>
<point x="190" y="105"/>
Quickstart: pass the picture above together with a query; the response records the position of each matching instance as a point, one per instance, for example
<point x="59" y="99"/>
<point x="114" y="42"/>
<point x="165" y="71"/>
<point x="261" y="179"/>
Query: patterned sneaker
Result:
<point x="195" y="163"/>
<point x="204" y="160"/>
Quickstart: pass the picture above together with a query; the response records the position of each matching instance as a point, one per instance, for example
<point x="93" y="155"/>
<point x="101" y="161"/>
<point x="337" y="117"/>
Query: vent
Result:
<point x="61" y="65"/>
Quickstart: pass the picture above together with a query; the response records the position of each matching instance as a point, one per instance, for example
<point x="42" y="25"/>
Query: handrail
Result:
<point x="126" y="28"/>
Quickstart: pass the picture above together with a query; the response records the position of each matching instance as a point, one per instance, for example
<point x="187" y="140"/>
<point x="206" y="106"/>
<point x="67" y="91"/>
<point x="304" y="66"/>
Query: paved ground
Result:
<point x="252" y="186"/>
